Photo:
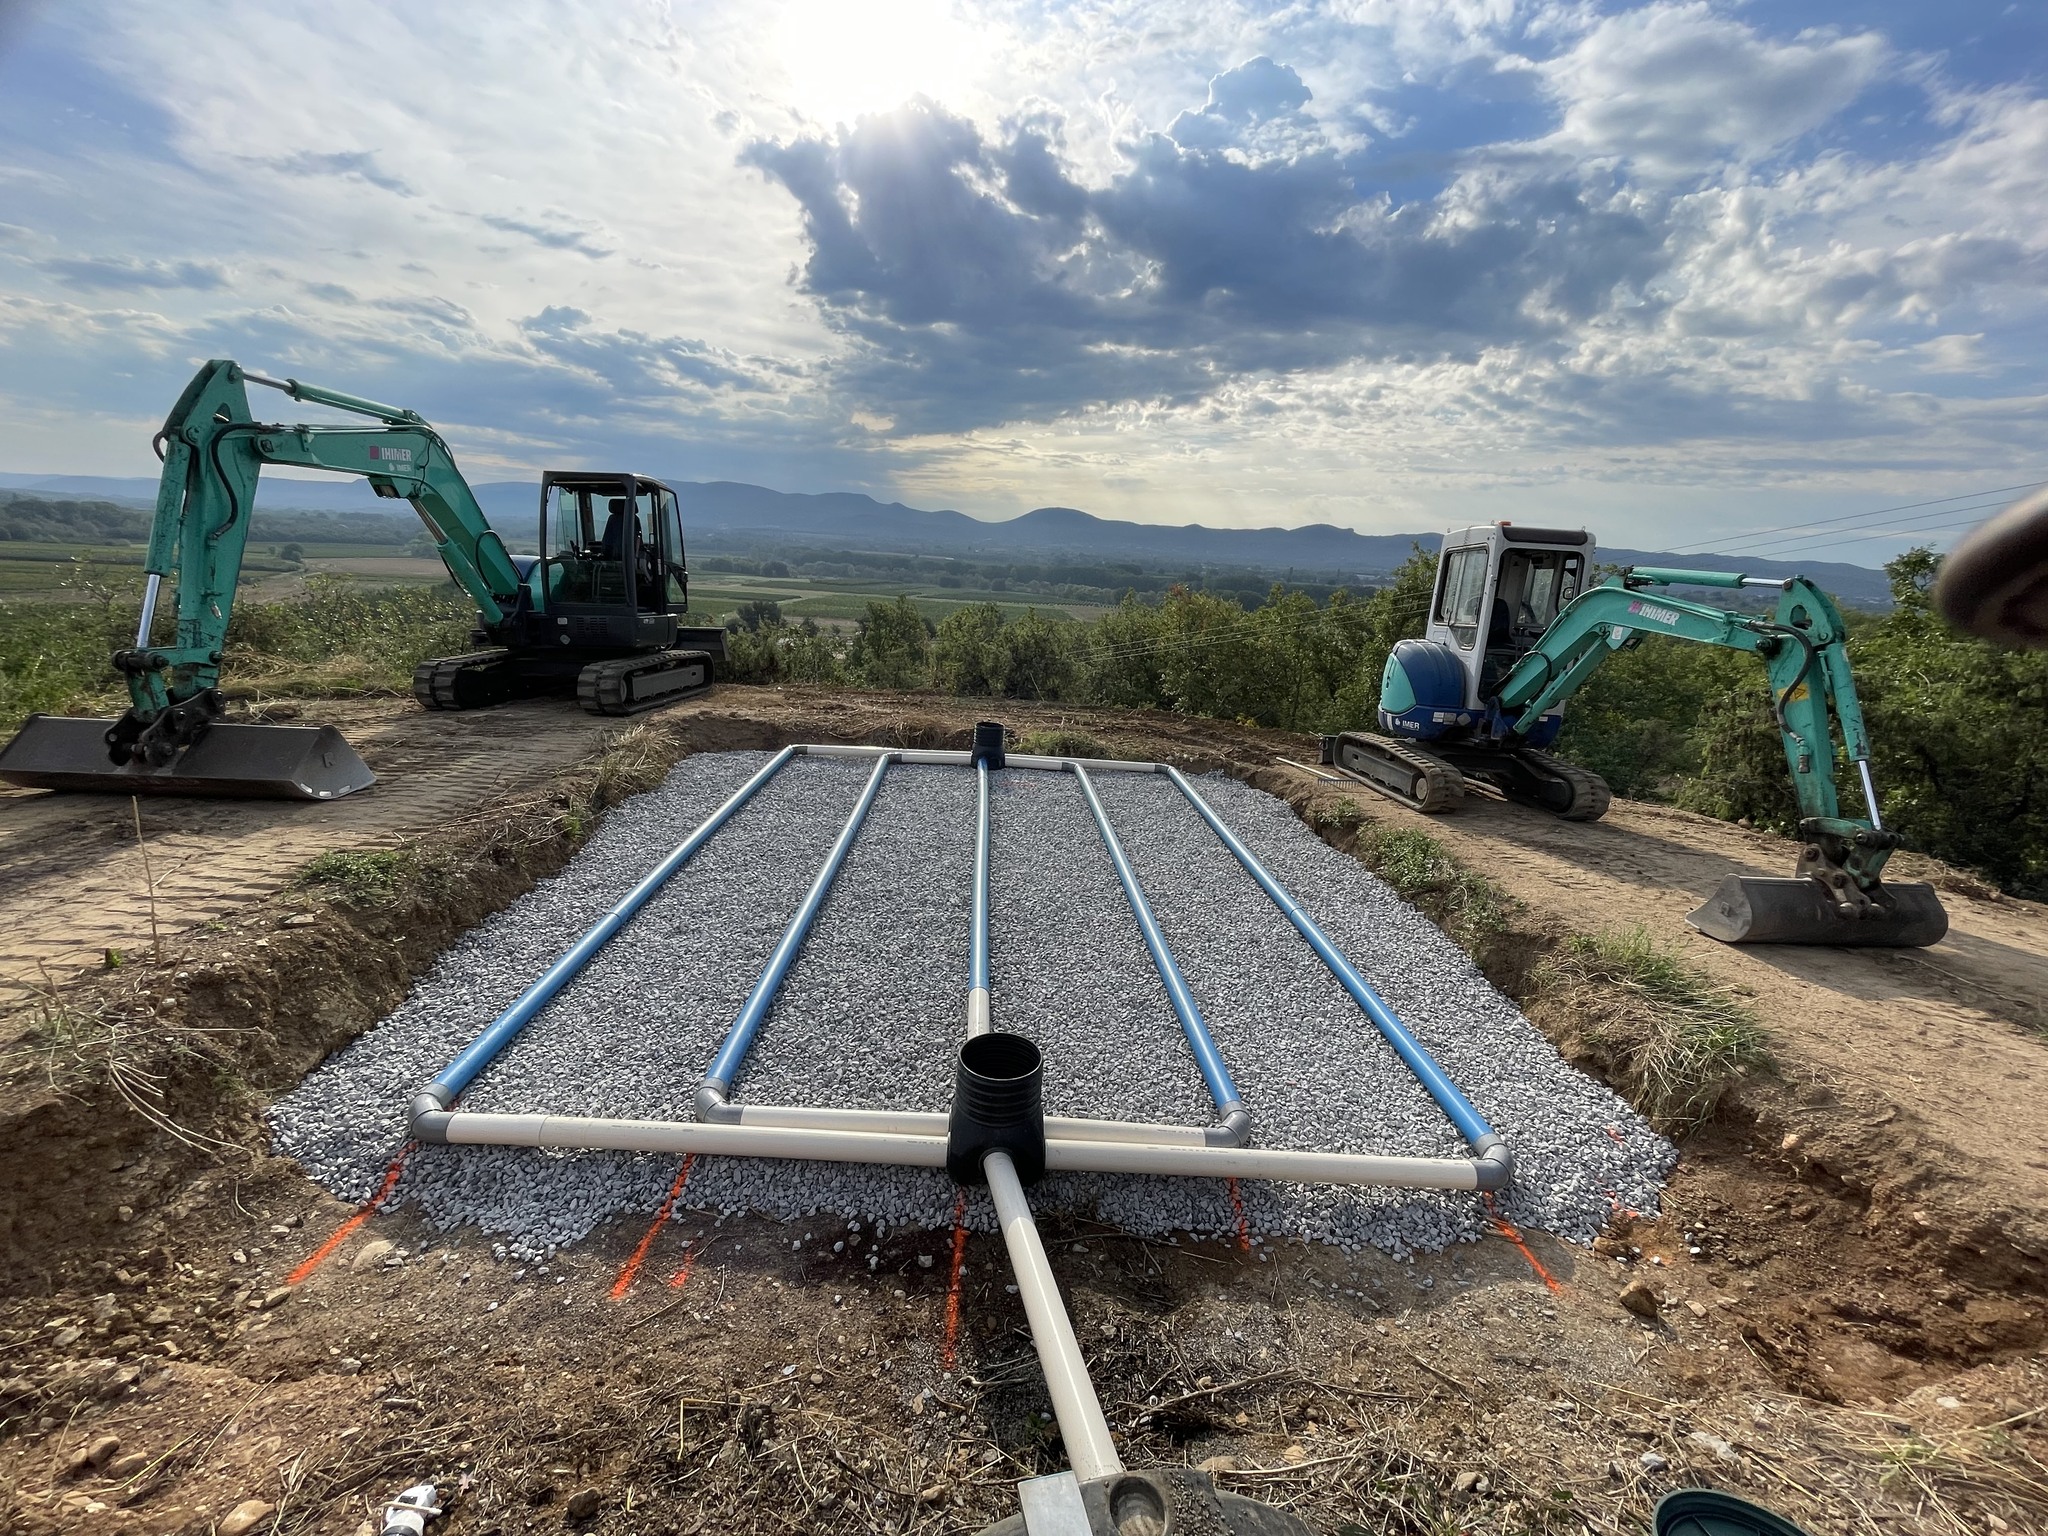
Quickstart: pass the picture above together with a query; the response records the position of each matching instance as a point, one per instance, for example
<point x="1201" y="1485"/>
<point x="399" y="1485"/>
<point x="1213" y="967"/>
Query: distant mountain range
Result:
<point x="738" y="513"/>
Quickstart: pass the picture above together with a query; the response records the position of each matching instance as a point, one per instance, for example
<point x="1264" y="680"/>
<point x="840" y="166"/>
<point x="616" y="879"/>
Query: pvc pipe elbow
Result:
<point x="1233" y="1130"/>
<point x="712" y="1107"/>
<point x="1494" y="1163"/>
<point x="428" y="1119"/>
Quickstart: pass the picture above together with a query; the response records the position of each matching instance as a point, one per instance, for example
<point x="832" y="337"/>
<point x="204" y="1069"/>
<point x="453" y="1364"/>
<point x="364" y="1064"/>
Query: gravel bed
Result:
<point x="873" y="1008"/>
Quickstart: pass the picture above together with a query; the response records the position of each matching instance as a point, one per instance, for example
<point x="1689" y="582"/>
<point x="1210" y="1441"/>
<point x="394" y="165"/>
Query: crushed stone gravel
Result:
<point x="874" y="1007"/>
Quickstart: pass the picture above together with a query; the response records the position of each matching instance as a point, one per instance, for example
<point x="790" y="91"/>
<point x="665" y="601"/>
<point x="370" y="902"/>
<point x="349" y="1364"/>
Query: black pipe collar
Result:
<point x="988" y="743"/>
<point x="998" y="1106"/>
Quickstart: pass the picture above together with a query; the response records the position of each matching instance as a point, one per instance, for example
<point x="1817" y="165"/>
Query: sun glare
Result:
<point x="843" y="59"/>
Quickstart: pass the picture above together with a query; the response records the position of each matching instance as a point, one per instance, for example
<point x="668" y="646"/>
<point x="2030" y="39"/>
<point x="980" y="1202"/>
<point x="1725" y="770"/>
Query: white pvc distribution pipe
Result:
<point x="913" y="1122"/>
<point x="833" y="1141"/>
<point x="1090" y="1451"/>
<point x="939" y="758"/>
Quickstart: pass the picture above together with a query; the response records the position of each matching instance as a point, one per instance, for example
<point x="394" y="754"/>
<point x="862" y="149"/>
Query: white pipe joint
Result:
<point x="980" y="1019"/>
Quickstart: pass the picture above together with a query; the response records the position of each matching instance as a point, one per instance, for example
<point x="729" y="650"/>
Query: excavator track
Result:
<point x="470" y="681"/>
<point x="630" y="684"/>
<point x="1566" y="790"/>
<point x="1402" y="773"/>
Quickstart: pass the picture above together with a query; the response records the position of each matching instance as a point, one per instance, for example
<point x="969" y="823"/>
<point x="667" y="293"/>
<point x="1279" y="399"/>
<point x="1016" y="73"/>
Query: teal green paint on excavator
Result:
<point x="1803" y="647"/>
<point x="618" y="654"/>
<point x="213" y="452"/>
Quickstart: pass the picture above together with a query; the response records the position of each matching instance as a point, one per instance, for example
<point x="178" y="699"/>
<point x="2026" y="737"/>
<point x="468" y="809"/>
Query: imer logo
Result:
<point x="392" y="455"/>
<point x="1653" y="612"/>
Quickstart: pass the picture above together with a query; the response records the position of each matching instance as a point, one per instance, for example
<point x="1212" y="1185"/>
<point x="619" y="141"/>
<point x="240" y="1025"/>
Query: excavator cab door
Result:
<point x="598" y="537"/>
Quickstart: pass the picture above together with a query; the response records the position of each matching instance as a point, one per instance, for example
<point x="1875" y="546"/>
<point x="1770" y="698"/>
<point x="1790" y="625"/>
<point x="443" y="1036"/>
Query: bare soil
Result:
<point x="1849" y="1265"/>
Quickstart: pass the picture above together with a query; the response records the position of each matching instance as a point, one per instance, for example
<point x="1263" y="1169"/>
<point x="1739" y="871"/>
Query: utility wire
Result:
<point x="1700" y="547"/>
<point x="1893" y="528"/>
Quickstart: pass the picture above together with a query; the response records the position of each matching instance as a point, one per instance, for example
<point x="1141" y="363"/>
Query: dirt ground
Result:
<point x="1848" y="1271"/>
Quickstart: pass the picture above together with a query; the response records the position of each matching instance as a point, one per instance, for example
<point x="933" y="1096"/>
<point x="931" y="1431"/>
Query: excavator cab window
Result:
<point x="648" y="587"/>
<point x="587" y="532"/>
<point x="1459" y="587"/>
<point x="1534" y="586"/>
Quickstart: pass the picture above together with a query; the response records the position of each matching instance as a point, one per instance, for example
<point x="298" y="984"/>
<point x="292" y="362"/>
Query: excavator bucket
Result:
<point x="256" y="762"/>
<point x="1753" y="909"/>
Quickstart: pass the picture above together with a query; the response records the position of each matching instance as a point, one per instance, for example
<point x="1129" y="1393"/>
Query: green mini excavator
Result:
<point x="598" y="613"/>
<point x="1514" y="629"/>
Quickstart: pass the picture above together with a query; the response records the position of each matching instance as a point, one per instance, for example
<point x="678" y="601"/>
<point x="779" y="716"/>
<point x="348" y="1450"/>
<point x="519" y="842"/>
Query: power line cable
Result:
<point x="1851" y="535"/>
<point x="1854" y="517"/>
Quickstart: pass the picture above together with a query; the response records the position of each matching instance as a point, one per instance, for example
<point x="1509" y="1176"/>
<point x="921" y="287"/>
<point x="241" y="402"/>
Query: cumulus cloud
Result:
<point x="986" y="282"/>
<point x="1256" y="92"/>
<point x="1676" y="89"/>
<point x="1206" y="257"/>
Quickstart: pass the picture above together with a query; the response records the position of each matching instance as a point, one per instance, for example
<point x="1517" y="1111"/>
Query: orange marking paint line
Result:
<point x="342" y="1232"/>
<point x="1244" y="1226"/>
<point x="953" y="1290"/>
<point x="681" y="1277"/>
<point x="631" y="1270"/>
<point x="1508" y="1232"/>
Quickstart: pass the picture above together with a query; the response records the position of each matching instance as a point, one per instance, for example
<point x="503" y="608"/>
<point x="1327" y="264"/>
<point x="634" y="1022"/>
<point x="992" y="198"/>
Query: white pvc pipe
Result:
<point x="1092" y="764"/>
<point x="1090" y="1451"/>
<point x="828" y="1135"/>
<point x="1259" y="1163"/>
<point x="979" y="1021"/>
<point x="912" y="1122"/>
<point x="470" y="1129"/>
<point x="938" y="758"/>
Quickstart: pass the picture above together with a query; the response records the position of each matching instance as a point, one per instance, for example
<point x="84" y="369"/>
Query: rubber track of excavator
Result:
<point x="1590" y="794"/>
<point x="435" y="680"/>
<point x="1444" y="786"/>
<point x="605" y="687"/>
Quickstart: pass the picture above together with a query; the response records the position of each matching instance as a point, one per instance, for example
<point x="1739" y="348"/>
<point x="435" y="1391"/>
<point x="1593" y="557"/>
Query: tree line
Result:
<point x="1959" y="727"/>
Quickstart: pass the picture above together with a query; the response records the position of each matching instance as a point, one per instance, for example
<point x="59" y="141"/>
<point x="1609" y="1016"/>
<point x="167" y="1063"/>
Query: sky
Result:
<point x="1692" y="273"/>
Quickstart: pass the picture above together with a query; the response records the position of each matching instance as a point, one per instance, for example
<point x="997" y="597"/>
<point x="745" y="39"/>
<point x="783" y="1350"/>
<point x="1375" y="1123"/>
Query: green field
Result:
<point x="845" y="601"/>
<point x="67" y="572"/>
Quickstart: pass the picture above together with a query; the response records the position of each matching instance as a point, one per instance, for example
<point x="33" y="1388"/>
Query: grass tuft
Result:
<point x="1059" y="742"/>
<point x="1423" y="872"/>
<point x="1669" y="1037"/>
<point x="360" y="878"/>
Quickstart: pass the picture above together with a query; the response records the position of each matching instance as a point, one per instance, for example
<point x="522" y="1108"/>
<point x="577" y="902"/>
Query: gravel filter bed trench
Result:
<point x="874" y="1007"/>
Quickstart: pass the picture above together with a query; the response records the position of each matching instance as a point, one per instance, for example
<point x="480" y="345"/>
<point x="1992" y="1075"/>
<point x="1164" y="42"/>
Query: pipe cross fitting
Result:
<point x="998" y="1106"/>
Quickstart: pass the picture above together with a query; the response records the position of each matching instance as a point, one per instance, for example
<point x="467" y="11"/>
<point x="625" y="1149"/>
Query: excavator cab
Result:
<point x="1499" y="588"/>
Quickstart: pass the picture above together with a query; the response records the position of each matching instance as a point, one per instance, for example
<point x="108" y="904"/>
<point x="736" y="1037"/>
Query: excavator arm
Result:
<point x="213" y="451"/>
<point x="1813" y="694"/>
<point x="1813" y="697"/>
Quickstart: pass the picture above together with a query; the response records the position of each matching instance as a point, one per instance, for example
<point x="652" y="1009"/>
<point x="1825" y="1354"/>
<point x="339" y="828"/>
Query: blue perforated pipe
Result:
<point x="1470" y="1123"/>
<point x="1207" y="1057"/>
<point x="977" y="942"/>
<point x="740" y="1038"/>
<point x="479" y="1053"/>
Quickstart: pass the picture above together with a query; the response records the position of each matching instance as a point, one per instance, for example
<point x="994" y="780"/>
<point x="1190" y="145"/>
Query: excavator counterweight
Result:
<point x="599" y="614"/>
